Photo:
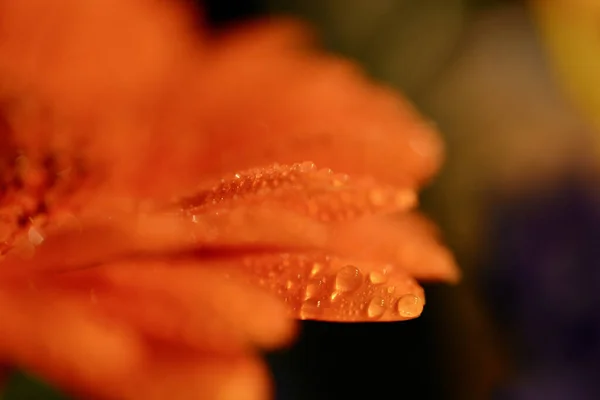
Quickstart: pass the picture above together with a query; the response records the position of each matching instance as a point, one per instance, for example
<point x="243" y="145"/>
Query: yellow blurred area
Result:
<point x="570" y="31"/>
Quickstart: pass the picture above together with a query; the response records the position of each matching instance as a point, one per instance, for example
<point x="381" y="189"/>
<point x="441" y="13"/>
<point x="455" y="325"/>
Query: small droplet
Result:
<point x="377" y="278"/>
<point x="307" y="166"/>
<point x="289" y="284"/>
<point x="348" y="279"/>
<point x="339" y="180"/>
<point x="317" y="268"/>
<point x="391" y="289"/>
<point x="376" y="307"/>
<point x="313" y="289"/>
<point x="410" y="306"/>
<point x="311" y="309"/>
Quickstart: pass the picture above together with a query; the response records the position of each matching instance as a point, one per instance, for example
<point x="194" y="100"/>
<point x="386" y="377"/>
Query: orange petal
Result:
<point x="76" y="54"/>
<point x="182" y="303"/>
<point x="302" y="104"/>
<point x="92" y="241"/>
<point x="63" y="340"/>
<point x="408" y="241"/>
<point x="302" y="188"/>
<point x="321" y="287"/>
<point x="195" y="379"/>
<point x="286" y="103"/>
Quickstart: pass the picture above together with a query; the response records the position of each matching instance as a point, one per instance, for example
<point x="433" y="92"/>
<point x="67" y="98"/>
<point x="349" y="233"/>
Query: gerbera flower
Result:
<point x="160" y="193"/>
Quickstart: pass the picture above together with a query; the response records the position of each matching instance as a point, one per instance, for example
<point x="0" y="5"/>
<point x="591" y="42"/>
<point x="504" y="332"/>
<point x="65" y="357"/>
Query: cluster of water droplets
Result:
<point x="321" y="287"/>
<point x="303" y="188"/>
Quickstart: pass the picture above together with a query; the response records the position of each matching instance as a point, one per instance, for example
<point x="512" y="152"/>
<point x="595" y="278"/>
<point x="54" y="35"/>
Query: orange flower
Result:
<point x="145" y="228"/>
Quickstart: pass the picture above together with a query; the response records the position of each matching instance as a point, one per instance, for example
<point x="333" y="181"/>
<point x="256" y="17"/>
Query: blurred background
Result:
<point x="514" y="87"/>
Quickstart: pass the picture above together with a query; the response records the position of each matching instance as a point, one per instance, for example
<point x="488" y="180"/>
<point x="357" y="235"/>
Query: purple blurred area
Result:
<point x="542" y="280"/>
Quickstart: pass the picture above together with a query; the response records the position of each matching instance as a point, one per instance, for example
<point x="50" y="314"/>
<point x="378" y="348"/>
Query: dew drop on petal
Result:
<point x="348" y="279"/>
<point x="316" y="269"/>
<point x="377" y="278"/>
<point x="313" y="289"/>
<point x="410" y="306"/>
<point x="376" y="307"/>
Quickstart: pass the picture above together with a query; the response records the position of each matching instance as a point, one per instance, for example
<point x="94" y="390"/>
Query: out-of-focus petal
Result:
<point x="64" y="340"/>
<point x="88" y="242"/>
<point x="299" y="103"/>
<point x="78" y="54"/>
<point x="408" y="241"/>
<point x="281" y="101"/>
<point x="188" y="378"/>
<point x="185" y="302"/>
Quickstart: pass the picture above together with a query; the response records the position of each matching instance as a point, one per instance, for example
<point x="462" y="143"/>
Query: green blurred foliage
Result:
<point x="22" y="386"/>
<point x="403" y="42"/>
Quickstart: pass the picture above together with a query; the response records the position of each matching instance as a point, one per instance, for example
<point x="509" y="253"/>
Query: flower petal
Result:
<point x="408" y="241"/>
<point x="189" y="378"/>
<point x="187" y="302"/>
<point x="65" y="52"/>
<point x="322" y="287"/>
<point x="63" y="340"/>
<point x="300" y="103"/>
<point x="301" y="188"/>
<point x="92" y="241"/>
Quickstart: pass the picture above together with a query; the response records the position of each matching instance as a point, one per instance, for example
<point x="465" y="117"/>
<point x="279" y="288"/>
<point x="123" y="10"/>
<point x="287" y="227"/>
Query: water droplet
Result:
<point x="317" y="268"/>
<point x="377" y="278"/>
<point x="376" y="307"/>
<point x="307" y="166"/>
<point x="339" y="180"/>
<point x="410" y="306"/>
<point x="289" y="285"/>
<point x="311" y="309"/>
<point x="391" y="289"/>
<point x="348" y="279"/>
<point x="313" y="289"/>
